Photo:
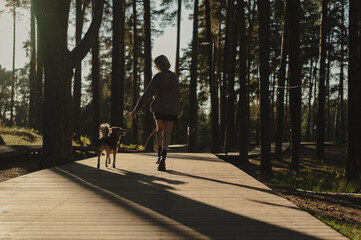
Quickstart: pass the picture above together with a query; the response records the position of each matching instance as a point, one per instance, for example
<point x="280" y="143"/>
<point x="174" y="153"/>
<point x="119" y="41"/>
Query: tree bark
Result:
<point x="122" y="63"/>
<point x="341" y="103"/>
<point x="315" y="99"/>
<point x="193" y="110"/>
<point x="309" y="105"/>
<point x="223" y="85"/>
<point x="115" y="104"/>
<point x="148" y="124"/>
<point x="135" y="72"/>
<point x="264" y="55"/>
<point x="214" y="99"/>
<point x="52" y="17"/>
<point x="231" y="30"/>
<point x="175" y="137"/>
<point x="80" y="11"/>
<point x="243" y="127"/>
<point x="354" y="97"/>
<point x="32" y="73"/>
<point x="293" y="7"/>
<point x="179" y="14"/>
<point x="96" y="90"/>
<point x="251" y="17"/>
<point x="39" y="86"/>
<point x="281" y="87"/>
<point x="327" y="92"/>
<point x="320" y="124"/>
<point x="13" y="72"/>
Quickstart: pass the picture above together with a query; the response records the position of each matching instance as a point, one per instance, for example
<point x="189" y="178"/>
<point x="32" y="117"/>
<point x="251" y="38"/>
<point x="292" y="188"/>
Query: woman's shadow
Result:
<point x="140" y="193"/>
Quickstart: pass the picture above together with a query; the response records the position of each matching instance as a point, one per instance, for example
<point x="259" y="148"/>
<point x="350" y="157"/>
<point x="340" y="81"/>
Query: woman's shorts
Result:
<point x="165" y="117"/>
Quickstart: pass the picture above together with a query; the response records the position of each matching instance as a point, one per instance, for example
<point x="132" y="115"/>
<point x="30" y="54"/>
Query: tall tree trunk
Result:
<point x="243" y="127"/>
<point x="115" y="110"/>
<point x="223" y="87"/>
<point x="335" y="120"/>
<point x="231" y="29"/>
<point x="219" y="84"/>
<point x="320" y="124"/>
<point x="214" y="99"/>
<point x="315" y="102"/>
<point x="309" y="105"/>
<point x="272" y="104"/>
<point x="175" y="138"/>
<point x="52" y="18"/>
<point x="354" y="97"/>
<point x="341" y="103"/>
<point x="285" y="130"/>
<point x="250" y="17"/>
<point x="293" y="7"/>
<point x="281" y="87"/>
<point x="193" y="109"/>
<point x="179" y="19"/>
<point x="13" y="72"/>
<point x="135" y="72"/>
<point x="264" y="55"/>
<point x="32" y="73"/>
<point x="39" y="86"/>
<point x="328" y="70"/>
<point x="122" y="63"/>
<point x="148" y="124"/>
<point x="80" y="11"/>
<point x="96" y="90"/>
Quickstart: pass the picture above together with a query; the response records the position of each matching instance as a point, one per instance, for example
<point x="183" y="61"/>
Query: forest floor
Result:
<point x="318" y="188"/>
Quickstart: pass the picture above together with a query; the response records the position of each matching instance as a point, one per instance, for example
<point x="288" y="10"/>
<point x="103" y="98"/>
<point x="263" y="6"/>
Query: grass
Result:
<point x="329" y="176"/>
<point x="326" y="179"/>
<point x="351" y="231"/>
<point x="20" y="136"/>
<point x="132" y="147"/>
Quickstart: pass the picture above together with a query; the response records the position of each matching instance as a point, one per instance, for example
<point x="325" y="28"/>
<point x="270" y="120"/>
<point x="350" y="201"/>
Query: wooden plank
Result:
<point x="199" y="197"/>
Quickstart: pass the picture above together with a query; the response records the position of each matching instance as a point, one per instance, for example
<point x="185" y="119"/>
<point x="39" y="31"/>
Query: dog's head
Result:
<point x="118" y="131"/>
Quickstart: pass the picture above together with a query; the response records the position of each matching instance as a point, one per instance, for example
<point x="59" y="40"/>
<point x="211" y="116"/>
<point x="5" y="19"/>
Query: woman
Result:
<point x="165" y="105"/>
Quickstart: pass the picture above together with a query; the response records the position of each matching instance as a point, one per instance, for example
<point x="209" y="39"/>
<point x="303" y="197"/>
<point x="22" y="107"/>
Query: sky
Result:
<point x="165" y="44"/>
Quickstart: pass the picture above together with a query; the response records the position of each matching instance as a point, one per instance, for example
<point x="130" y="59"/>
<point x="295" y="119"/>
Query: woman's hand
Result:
<point x="180" y="114"/>
<point x="133" y="114"/>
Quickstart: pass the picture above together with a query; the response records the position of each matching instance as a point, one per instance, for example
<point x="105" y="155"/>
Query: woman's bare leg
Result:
<point x="168" y="126"/>
<point x="160" y="129"/>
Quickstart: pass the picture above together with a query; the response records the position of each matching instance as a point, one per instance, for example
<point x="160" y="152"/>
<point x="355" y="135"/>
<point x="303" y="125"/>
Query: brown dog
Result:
<point x="108" y="141"/>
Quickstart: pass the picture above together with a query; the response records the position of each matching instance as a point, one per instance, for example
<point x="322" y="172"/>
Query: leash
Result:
<point x="155" y="130"/>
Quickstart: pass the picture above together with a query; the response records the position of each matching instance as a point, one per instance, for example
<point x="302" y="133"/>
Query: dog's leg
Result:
<point x="114" y="154"/>
<point x="98" y="158"/>
<point x="106" y="159"/>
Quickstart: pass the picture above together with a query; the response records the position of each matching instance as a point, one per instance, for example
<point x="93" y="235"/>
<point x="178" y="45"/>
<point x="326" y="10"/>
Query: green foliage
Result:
<point x="203" y="131"/>
<point x="20" y="136"/>
<point x="353" y="231"/>
<point x="21" y="96"/>
<point x="134" y="147"/>
<point x="319" y="180"/>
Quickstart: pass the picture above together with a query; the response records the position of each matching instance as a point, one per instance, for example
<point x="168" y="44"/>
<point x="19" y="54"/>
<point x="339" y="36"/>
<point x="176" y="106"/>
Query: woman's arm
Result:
<point x="151" y="90"/>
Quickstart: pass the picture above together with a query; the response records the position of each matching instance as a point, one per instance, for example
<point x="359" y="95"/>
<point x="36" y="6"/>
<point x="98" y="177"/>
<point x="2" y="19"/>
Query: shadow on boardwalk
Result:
<point x="150" y="198"/>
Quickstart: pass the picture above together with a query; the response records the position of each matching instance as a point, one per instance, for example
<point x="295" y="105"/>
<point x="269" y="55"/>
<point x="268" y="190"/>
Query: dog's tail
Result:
<point x="104" y="130"/>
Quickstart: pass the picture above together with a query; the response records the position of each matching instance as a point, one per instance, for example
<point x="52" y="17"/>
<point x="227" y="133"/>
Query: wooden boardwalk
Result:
<point x="199" y="197"/>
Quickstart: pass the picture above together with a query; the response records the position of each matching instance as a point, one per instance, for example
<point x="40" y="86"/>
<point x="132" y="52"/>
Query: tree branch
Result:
<point x="87" y="42"/>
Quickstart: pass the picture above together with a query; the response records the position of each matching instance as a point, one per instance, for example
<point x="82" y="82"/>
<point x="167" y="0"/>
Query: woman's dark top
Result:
<point x="165" y="87"/>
